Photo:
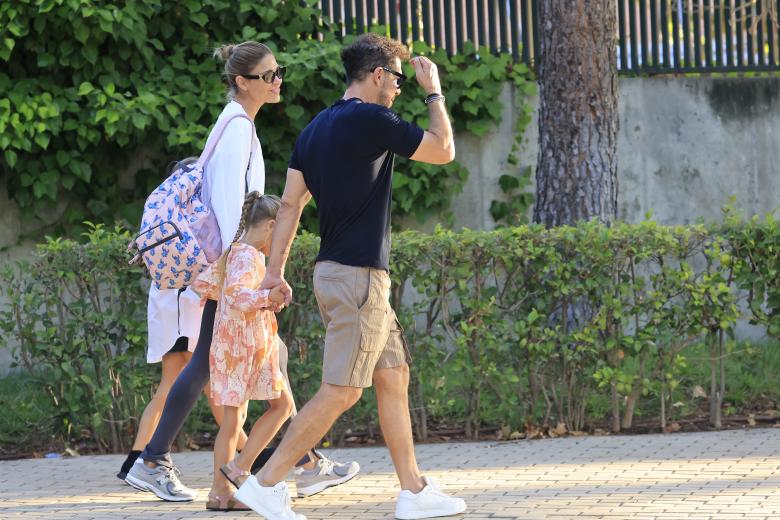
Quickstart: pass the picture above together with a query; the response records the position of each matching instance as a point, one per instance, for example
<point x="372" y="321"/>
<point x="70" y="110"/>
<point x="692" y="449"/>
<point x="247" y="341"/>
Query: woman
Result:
<point x="254" y="78"/>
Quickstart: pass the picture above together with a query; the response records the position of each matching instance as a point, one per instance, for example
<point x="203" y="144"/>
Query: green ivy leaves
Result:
<point x="96" y="99"/>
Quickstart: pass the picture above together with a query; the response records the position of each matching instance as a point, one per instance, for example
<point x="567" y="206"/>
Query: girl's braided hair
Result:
<point x="256" y="209"/>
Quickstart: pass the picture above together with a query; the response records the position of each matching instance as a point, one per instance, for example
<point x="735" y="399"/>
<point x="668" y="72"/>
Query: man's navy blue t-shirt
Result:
<point x="346" y="155"/>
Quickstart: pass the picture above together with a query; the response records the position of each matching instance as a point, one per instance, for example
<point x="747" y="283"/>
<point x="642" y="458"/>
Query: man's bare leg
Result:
<point x="392" y="385"/>
<point x="307" y="429"/>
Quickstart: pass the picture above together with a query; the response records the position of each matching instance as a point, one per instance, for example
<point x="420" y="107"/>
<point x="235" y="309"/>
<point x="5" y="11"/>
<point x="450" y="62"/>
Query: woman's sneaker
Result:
<point x="160" y="480"/>
<point x="431" y="502"/>
<point x="132" y="456"/>
<point x="327" y="473"/>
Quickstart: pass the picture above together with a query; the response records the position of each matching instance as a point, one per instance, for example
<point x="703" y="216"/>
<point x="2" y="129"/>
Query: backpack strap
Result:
<point x="178" y="308"/>
<point x="218" y="131"/>
<point x="211" y="145"/>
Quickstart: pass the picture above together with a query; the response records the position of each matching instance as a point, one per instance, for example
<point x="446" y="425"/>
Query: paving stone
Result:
<point x="714" y="475"/>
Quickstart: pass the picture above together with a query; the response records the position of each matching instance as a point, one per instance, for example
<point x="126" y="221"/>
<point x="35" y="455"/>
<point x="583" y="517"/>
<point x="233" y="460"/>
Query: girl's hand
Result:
<point x="276" y="297"/>
<point x="272" y="282"/>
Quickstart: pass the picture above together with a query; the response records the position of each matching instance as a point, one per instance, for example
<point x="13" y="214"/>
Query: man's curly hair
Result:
<point x="368" y="52"/>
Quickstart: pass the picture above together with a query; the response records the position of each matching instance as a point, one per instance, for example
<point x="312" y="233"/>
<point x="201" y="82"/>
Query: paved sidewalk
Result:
<point x="724" y="475"/>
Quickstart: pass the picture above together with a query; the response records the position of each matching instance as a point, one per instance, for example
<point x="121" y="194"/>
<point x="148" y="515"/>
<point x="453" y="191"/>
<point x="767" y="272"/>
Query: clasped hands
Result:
<point x="281" y="292"/>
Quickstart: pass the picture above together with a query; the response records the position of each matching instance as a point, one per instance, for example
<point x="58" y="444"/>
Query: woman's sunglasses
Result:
<point x="400" y="78"/>
<point x="267" y="76"/>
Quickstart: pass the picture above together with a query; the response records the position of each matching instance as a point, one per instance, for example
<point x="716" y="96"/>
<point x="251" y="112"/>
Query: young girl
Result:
<point x="244" y="357"/>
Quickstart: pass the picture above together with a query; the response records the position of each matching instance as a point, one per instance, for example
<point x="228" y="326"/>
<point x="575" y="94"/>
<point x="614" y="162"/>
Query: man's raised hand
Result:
<point x="427" y="74"/>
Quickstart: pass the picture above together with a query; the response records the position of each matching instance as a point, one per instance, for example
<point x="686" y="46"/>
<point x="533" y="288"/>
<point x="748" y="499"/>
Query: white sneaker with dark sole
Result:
<point x="327" y="473"/>
<point x="431" y="502"/>
<point x="160" y="480"/>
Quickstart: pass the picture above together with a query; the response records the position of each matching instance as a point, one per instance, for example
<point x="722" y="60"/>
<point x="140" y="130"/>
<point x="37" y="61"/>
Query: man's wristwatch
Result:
<point x="430" y="98"/>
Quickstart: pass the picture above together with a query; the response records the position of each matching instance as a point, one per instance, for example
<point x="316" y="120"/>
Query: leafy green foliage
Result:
<point x="27" y="422"/>
<point x="79" y="319"/>
<point x="485" y="315"/>
<point x="97" y="98"/>
<point x="514" y="210"/>
<point x="755" y="257"/>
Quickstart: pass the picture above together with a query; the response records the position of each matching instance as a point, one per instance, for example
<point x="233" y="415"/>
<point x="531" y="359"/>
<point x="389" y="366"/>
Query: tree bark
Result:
<point x="576" y="174"/>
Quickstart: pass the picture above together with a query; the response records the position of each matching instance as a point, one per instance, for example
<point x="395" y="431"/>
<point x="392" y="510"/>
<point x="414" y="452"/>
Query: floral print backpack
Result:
<point x="179" y="234"/>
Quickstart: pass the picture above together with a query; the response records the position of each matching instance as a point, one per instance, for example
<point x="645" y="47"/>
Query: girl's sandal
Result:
<point x="234" y="474"/>
<point x="219" y="503"/>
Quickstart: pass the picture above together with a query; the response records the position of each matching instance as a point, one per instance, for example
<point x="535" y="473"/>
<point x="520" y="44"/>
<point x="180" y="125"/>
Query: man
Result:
<point x="344" y="159"/>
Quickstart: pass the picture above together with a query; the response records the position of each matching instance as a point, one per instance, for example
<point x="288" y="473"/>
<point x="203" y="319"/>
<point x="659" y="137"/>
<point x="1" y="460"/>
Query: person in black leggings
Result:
<point x="254" y="78"/>
<point x="183" y="394"/>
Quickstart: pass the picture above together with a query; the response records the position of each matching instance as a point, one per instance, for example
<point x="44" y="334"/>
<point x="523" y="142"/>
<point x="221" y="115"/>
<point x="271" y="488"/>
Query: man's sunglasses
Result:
<point x="268" y="76"/>
<point x="400" y="78"/>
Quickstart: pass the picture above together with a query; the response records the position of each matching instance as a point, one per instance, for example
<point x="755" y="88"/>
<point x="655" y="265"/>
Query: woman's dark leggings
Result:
<point x="183" y="394"/>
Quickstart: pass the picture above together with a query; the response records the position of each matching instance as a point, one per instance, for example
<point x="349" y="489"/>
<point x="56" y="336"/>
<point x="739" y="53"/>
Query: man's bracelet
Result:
<point x="430" y="98"/>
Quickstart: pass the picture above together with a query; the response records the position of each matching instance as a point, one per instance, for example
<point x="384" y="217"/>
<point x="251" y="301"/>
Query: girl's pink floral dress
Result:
<point x="244" y="356"/>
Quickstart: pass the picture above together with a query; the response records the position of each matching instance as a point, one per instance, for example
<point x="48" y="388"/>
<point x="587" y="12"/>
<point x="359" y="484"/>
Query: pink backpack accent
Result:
<point x="180" y="236"/>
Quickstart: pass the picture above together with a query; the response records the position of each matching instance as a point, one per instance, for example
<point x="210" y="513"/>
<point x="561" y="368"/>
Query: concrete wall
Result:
<point x="486" y="159"/>
<point x="685" y="146"/>
<point x="12" y="248"/>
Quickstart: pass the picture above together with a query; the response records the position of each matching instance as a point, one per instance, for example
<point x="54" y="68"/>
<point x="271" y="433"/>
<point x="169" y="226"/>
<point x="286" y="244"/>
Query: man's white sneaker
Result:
<point x="270" y="502"/>
<point x="431" y="502"/>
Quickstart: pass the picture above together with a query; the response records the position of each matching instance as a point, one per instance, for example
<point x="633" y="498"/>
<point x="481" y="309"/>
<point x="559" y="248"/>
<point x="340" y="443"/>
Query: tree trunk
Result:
<point x="716" y="387"/>
<point x="576" y="174"/>
<point x="636" y="391"/>
<point x="615" y="400"/>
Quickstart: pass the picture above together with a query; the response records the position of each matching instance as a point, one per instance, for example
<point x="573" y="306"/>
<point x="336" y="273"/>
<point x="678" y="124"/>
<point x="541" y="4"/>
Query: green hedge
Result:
<point x="96" y="98"/>
<point x="511" y="329"/>
<point x="78" y="319"/>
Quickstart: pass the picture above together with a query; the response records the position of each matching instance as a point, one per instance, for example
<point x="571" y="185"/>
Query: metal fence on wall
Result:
<point x="654" y="36"/>
<point x="697" y="35"/>
<point x="502" y="25"/>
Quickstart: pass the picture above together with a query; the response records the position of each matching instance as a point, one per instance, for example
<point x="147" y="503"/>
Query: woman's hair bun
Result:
<point x="223" y="52"/>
